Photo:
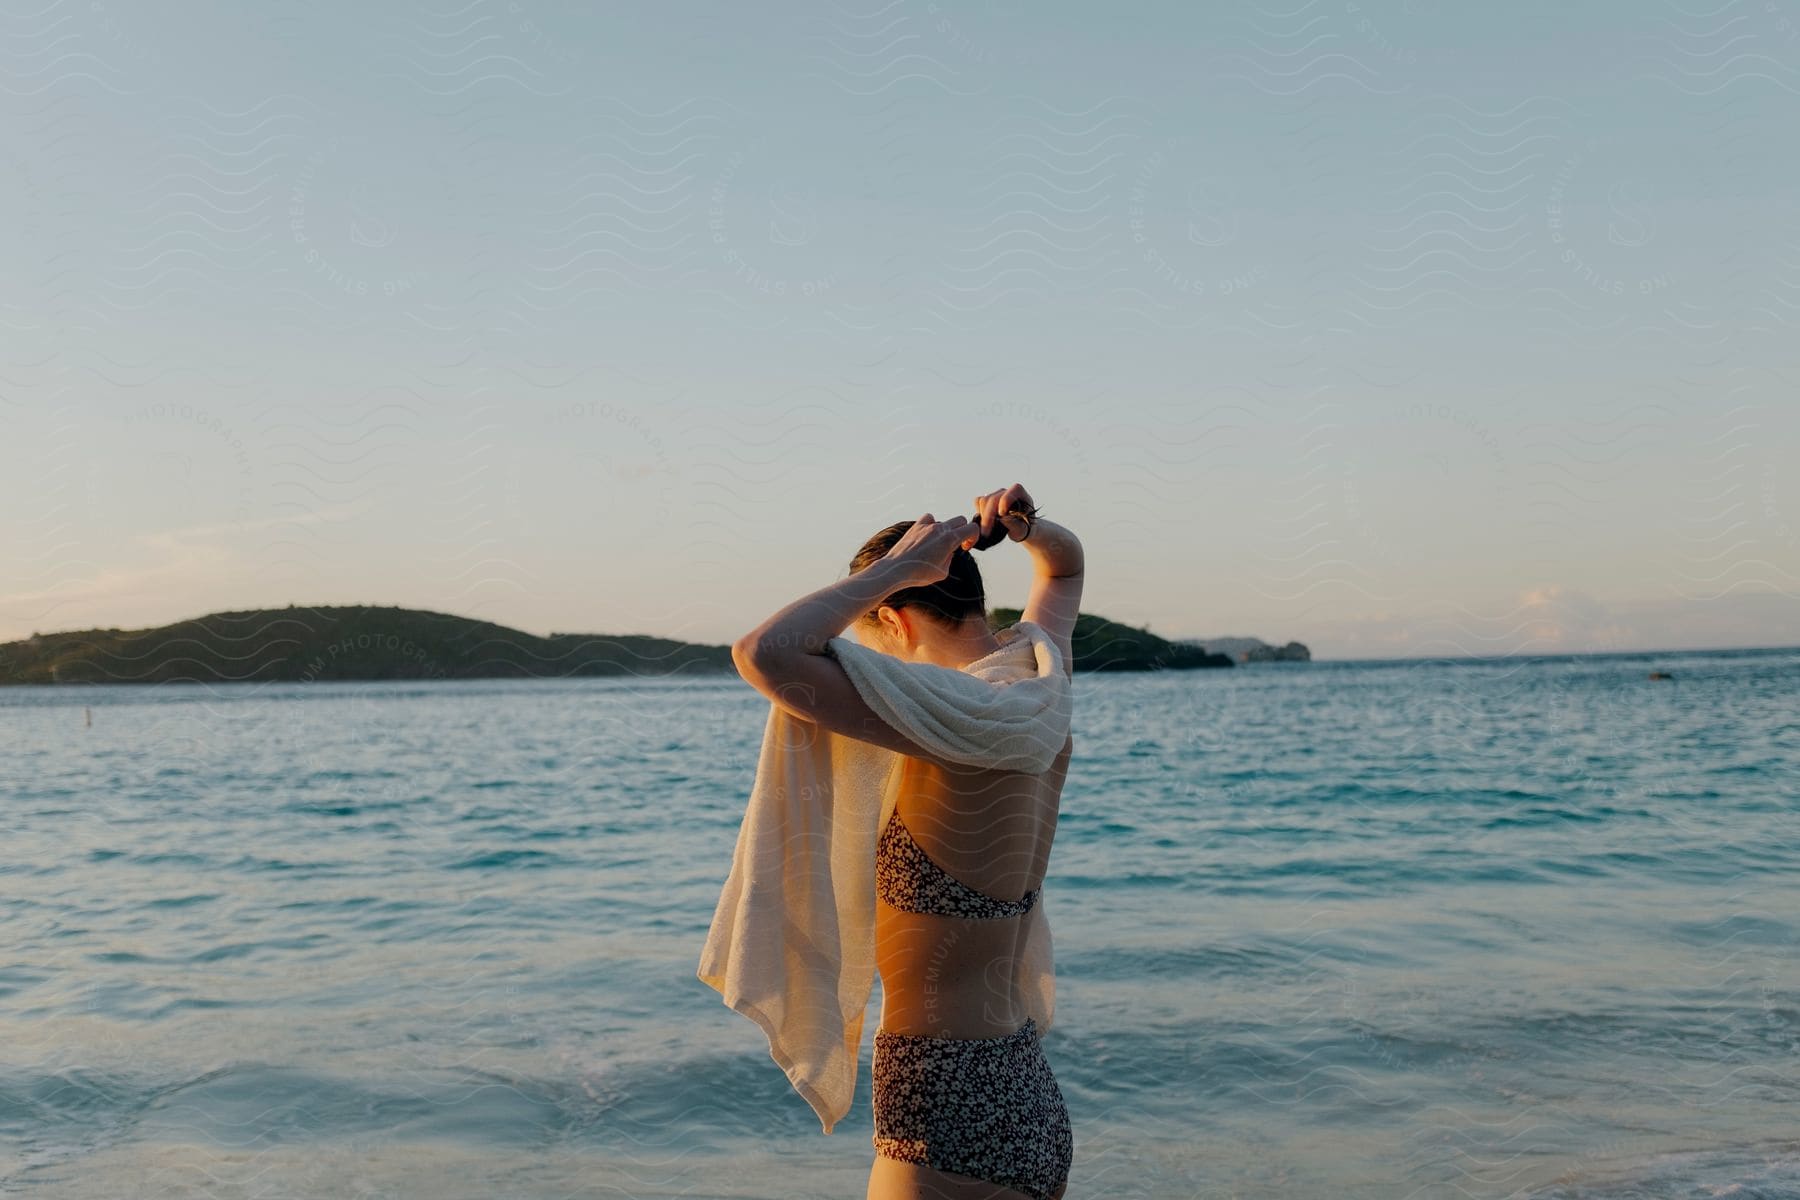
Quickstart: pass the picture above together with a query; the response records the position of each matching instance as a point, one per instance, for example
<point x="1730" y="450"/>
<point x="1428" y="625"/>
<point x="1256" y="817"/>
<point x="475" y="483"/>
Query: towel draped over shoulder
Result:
<point x="792" y="941"/>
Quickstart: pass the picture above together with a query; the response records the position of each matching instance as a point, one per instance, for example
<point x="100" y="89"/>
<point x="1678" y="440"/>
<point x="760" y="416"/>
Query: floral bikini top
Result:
<point x="911" y="882"/>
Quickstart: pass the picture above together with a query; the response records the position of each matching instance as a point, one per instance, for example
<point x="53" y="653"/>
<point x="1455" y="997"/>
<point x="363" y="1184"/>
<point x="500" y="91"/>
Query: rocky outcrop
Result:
<point x="1253" y="650"/>
<point x="1292" y="652"/>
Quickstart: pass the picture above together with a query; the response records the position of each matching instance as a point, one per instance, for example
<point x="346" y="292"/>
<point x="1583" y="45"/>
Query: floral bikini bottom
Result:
<point x="988" y="1108"/>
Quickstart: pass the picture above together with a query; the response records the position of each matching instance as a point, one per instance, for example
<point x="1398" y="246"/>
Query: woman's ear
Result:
<point x="896" y="628"/>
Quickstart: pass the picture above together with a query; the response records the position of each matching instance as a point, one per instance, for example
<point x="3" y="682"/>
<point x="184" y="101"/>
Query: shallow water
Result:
<point x="1523" y="928"/>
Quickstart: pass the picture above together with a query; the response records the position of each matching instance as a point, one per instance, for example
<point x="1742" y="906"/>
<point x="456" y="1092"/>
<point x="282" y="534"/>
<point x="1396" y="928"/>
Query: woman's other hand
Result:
<point x="998" y="508"/>
<point x="922" y="555"/>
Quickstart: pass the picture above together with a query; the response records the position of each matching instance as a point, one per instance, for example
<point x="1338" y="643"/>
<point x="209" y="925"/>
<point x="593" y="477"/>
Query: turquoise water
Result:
<point x="1524" y="928"/>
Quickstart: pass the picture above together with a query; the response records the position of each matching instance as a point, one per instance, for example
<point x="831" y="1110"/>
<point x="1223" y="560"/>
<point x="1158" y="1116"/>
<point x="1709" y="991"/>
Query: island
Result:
<point x="338" y="643"/>
<point x="1253" y="650"/>
<point x="302" y="644"/>
<point x="1103" y="645"/>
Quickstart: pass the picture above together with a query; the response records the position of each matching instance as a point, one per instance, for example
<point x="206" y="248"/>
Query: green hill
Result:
<point x="305" y="645"/>
<point x="1103" y="645"/>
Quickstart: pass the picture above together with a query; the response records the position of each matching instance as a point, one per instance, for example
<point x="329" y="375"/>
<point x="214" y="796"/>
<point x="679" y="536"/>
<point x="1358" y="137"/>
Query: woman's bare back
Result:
<point x="952" y="977"/>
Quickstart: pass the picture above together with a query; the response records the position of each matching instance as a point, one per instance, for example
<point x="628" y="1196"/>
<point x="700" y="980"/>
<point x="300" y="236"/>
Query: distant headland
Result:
<point x="1250" y="650"/>
<point x="302" y="644"/>
<point x="1103" y="645"/>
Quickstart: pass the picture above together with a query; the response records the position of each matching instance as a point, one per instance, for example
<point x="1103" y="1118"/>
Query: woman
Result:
<point x="965" y="1104"/>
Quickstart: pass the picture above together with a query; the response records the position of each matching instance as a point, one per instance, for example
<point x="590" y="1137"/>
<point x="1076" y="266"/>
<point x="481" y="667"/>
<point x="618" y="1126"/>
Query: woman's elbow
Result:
<point x="758" y="657"/>
<point x="744" y="654"/>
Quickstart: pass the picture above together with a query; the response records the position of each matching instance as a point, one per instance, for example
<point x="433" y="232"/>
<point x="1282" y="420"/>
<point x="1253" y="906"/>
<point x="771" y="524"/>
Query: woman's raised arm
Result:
<point x="1055" y="584"/>
<point x="1058" y="563"/>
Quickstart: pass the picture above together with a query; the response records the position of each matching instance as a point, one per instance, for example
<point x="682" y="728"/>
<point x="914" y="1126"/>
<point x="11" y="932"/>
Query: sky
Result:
<point x="1395" y="327"/>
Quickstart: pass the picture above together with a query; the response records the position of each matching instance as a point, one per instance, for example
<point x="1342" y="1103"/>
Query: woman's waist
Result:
<point x="957" y="1013"/>
<point x="958" y="982"/>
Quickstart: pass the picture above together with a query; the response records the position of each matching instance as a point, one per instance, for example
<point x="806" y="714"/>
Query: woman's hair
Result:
<point x="950" y="601"/>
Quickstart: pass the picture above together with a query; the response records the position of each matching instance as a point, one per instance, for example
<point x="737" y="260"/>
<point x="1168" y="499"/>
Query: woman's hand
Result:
<point x="997" y="508"/>
<point x="922" y="555"/>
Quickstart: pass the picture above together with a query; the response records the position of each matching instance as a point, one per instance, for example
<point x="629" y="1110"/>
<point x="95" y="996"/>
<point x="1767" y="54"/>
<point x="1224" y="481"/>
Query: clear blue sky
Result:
<point x="1397" y="328"/>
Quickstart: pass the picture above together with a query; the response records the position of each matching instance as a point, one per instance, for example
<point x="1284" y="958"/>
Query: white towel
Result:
<point x="792" y="943"/>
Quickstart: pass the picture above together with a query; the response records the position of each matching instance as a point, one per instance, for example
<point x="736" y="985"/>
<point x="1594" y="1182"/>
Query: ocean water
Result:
<point x="1526" y="928"/>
